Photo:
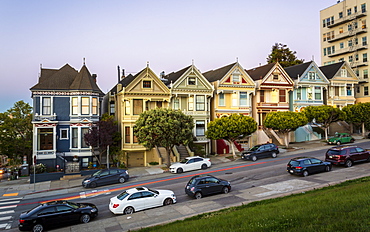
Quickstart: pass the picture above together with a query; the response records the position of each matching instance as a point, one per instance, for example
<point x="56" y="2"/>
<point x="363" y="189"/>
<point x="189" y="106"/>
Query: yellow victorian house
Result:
<point x="130" y="97"/>
<point x="234" y="90"/>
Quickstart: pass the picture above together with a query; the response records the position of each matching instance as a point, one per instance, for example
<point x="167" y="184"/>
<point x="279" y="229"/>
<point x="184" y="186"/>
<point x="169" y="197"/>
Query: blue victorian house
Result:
<point x="66" y="102"/>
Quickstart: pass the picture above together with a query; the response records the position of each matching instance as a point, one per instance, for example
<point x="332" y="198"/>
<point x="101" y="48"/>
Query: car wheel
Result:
<point x="348" y="163"/>
<point x="273" y="155"/>
<point x="85" y="218"/>
<point x="225" y="190"/>
<point x="179" y="170"/>
<point x="93" y="184"/>
<point x="128" y="210"/>
<point x="198" y="195"/>
<point x="254" y="158"/>
<point x="338" y="143"/>
<point x="352" y="141"/>
<point x="122" y="180"/>
<point x="37" y="228"/>
<point x="204" y="166"/>
<point x="327" y="168"/>
<point x="305" y="173"/>
<point x="168" y="201"/>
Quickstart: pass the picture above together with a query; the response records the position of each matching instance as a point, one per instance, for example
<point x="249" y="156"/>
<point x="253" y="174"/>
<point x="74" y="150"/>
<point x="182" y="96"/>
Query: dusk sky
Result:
<point x="167" y="34"/>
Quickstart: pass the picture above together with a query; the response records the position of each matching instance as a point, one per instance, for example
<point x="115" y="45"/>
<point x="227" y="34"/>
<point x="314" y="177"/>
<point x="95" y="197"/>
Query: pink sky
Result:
<point x="167" y="34"/>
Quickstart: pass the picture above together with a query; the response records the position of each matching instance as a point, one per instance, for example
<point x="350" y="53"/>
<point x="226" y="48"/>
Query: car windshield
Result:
<point x="73" y="205"/>
<point x="97" y="173"/>
<point x="154" y="191"/>
<point x="336" y="152"/>
<point x="184" y="161"/>
<point x="33" y="210"/>
<point x="255" y="148"/>
<point x="122" y="195"/>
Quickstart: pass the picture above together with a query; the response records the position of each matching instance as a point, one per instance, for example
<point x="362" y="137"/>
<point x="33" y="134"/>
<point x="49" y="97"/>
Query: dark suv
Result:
<point x="347" y="155"/>
<point x="201" y="185"/>
<point x="261" y="151"/>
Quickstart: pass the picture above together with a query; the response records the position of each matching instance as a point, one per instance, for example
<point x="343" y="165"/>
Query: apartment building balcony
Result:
<point x="272" y="105"/>
<point x="347" y="34"/>
<point x="196" y="113"/>
<point x="38" y="117"/>
<point x="347" y="19"/>
<point x="347" y="50"/>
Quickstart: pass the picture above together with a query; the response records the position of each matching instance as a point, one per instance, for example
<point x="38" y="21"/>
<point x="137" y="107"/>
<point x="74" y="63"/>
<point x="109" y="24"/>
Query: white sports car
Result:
<point x="140" y="198"/>
<point x="190" y="163"/>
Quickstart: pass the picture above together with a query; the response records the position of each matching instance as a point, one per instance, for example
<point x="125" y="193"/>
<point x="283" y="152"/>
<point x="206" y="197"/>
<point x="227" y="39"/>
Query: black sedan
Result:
<point x="261" y="151"/>
<point x="307" y="165"/>
<point x="106" y="176"/>
<point x="201" y="185"/>
<point x="56" y="213"/>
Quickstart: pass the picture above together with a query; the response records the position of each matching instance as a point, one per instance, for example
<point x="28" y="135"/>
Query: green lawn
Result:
<point x="343" y="207"/>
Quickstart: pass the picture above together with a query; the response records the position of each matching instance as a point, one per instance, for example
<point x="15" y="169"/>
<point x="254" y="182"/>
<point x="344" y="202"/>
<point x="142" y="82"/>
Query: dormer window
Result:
<point x="311" y="75"/>
<point x="276" y="77"/>
<point x="343" y="73"/>
<point x="191" y="80"/>
<point x="147" y="84"/>
<point x="236" y="76"/>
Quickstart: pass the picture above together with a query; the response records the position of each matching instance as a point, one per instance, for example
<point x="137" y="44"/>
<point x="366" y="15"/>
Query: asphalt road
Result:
<point x="243" y="175"/>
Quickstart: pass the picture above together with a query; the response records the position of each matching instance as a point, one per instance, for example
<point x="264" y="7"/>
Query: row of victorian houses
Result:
<point x="66" y="102"/>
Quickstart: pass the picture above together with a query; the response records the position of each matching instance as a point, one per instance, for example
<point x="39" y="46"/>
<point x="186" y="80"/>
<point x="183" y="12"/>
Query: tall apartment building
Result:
<point x="344" y="37"/>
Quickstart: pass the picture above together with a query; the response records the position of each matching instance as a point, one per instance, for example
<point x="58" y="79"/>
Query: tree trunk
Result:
<point x="363" y="129"/>
<point x="326" y="133"/>
<point x="286" y="140"/>
<point x="232" y="145"/>
<point x="168" y="151"/>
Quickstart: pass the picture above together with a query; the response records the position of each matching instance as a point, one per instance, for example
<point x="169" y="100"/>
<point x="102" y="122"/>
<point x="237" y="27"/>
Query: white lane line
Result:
<point x="7" y="207"/>
<point x="10" y="202"/>
<point x="7" y="212"/>
<point x="5" y="218"/>
<point x="11" y="199"/>
<point x="3" y="225"/>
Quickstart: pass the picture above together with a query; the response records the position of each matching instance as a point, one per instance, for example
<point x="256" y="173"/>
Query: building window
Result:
<point x="176" y="103"/>
<point x="349" y="90"/>
<point x="343" y="72"/>
<point x="349" y="43"/>
<point x="350" y="58"/>
<point x="135" y="139"/>
<point x="366" y="74"/>
<point x="276" y="77"/>
<point x="85" y="105"/>
<point x="191" y="103"/>
<point x="147" y="84"/>
<point x="45" y="138"/>
<point x="317" y="93"/>
<point x="364" y="41"/>
<point x="46" y="106"/>
<point x="341" y="59"/>
<point x="356" y="41"/>
<point x="363" y="24"/>
<point x="127" y="134"/>
<point x="324" y="23"/>
<point x="355" y="9"/>
<point x="74" y="105"/>
<point x="341" y="45"/>
<point x="200" y="128"/>
<point x="336" y="90"/>
<point x="282" y="95"/>
<point x="63" y="134"/>
<point x="234" y="99"/>
<point x="112" y="108"/>
<point x="200" y="103"/>
<point x="138" y="106"/>
<point x="366" y="90"/>
<point x="221" y="99"/>
<point x="349" y="27"/>
<point x="75" y="137"/>
<point x="94" y="106"/>
<point x="84" y="131"/>
<point x="363" y="8"/>
<point x="243" y="98"/>
<point x="262" y="96"/>
<point x="299" y="93"/>
<point x="309" y="93"/>
<point x="364" y="57"/>
<point x="236" y="77"/>
<point x="356" y="57"/>
<point x="349" y="11"/>
<point x="324" y="37"/>
<point x="324" y="50"/>
<point x="191" y="81"/>
<point x="340" y="15"/>
<point x="311" y="75"/>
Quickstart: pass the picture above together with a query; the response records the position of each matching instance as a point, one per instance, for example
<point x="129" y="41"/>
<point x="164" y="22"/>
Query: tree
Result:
<point x="162" y="127"/>
<point x="285" y="122"/>
<point x="323" y="116"/>
<point x="103" y="134"/>
<point x="282" y="54"/>
<point x="16" y="132"/>
<point x="358" y="114"/>
<point x="236" y="126"/>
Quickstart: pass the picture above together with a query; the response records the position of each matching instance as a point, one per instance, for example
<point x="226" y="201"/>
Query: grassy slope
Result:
<point x="343" y="207"/>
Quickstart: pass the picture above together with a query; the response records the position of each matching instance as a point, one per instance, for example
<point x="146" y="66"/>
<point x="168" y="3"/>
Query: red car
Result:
<point x="347" y="155"/>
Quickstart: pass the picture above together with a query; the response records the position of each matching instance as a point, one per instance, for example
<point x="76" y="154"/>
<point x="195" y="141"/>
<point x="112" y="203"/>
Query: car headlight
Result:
<point x="86" y="181"/>
<point x="126" y="172"/>
<point x="93" y="210"/>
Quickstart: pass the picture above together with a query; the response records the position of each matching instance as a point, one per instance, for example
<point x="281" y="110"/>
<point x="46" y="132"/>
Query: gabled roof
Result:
<point x="331" y="69"/>
<point x="297" y="71"/>
<point x="260" y="72"/>
<point x="67" y="78"/>
<point x="174" y="76"/>
<point x="124" y="82"/>
<point x="218" y="74"/>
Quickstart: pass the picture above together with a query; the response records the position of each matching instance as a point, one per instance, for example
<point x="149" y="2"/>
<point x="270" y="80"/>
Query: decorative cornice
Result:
<point x="63" y="93"/>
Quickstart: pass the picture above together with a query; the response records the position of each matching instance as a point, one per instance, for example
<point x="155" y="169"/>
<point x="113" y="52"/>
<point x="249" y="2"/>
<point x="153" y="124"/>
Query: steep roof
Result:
<point x="331" y="69"/>
<point x="260" y="72"/>
<point x="124" y="82"/>
<point x="67" y="78"/>
<point x="218" y="74"/>
<point x="174" y="76"/>
<point x="297" y="70"/>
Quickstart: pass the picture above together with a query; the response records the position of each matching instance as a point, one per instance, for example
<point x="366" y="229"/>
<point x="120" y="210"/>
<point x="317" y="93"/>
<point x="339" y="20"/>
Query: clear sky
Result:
<point x="168" y="34"/>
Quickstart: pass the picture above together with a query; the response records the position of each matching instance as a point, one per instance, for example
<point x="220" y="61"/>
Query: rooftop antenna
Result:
<point x="237" y="59"/>
<point x="147" y="64"/>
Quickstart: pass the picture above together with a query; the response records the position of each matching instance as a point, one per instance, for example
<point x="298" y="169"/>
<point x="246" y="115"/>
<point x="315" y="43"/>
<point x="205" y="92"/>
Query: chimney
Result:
<point x="119" y="72"/>
<point x="94" y="76"/>
<point x="123" y="73"/>
<point x="161" y="75"/>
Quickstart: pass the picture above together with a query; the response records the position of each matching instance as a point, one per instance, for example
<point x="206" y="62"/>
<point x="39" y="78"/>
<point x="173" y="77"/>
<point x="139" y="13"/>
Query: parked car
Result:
<point x="55" y="214"/>
<point x="261" y="151"/>
<point x="106" y="176"/>
<point x="347" y="155"/>
<point x="190" y="163"/>
<point x="305" y="166"/>
<point x="202" y="185"/>
<point x="340" y="138"/>
<point x="135" y="199"/>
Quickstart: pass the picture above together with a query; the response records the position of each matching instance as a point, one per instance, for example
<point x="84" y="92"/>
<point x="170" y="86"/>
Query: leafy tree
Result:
<point x="103" y="134"/>
<point x="164" y="127"/>
<point x="16" y="132"/>
<point x="285" y="122"/>
<point x="323" y="116"/>
<point x="358" y="114"/>
<point x="282" y="54"/>
<point x="236" y="126"/>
